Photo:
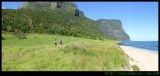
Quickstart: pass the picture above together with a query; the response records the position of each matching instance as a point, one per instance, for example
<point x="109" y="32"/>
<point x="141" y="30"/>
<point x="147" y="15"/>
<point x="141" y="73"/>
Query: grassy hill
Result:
<point x="38" y="53"/>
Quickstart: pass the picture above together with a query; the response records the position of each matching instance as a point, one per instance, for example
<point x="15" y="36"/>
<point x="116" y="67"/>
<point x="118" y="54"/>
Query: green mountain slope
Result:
<point x="62" y="18"/>
<point x="51" y="21"/>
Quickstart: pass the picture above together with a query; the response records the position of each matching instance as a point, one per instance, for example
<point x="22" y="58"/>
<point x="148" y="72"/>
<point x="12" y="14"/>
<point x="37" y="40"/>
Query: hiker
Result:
<point x="55" y="42"/>
<point x="61" y="42"/>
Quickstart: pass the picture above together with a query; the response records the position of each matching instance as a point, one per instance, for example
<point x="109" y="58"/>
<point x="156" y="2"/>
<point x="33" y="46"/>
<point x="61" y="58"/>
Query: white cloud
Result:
<point x="3" y="7"/>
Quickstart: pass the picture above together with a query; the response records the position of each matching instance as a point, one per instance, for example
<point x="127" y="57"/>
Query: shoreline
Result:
<point x="145" y="60"/>
<point x="147" y="50"/>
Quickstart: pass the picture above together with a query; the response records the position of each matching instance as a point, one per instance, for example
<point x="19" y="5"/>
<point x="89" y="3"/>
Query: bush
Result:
<point x="20" y="34"/>
<point x="3" y="38"/>
<point x="75" y="48"/>
<point x="135" y="68"/>
<point x="100" y="38"/>
<point x="94" y="38"/>
<point x="7" y="36"/>
<point x="78" y="49"/>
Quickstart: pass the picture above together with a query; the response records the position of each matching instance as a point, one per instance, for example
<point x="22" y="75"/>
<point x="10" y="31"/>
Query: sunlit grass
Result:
<point x="38" y="52"/>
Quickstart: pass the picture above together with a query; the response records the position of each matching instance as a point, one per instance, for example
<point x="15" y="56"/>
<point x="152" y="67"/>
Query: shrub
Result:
<point x="3" y="38"/>
<point x="20" y="34"/>
<point x="100" y="38"/>
<point x="135" y="68"/>
<point x="75" y="48"/>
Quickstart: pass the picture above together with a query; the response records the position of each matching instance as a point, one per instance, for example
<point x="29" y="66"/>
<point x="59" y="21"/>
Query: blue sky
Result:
<point x="139" y="19"/>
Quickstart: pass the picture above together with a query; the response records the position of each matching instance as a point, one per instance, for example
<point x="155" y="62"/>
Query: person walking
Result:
<point x="55" y="42"/>
<point x="61" y="42"/>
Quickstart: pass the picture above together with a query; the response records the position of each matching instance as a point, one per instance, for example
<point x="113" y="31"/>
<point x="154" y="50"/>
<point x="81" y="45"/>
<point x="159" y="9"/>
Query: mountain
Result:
<point x="48" y="5"/>
<point x="62" y="18"/>
<point x="113" y="28"/>
<point x="42" y="6"/>
<point x="37" y="17"/>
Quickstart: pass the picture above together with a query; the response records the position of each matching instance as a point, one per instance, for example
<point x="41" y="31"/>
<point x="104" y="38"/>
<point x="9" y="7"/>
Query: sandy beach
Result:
<point x="146" y="61"/>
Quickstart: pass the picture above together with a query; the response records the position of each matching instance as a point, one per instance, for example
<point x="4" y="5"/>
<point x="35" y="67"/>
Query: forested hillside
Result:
<point x="63" y="18"/>
<point x="51" y="21"/>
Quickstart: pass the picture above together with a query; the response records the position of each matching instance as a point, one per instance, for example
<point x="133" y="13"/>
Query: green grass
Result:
<point x="38" y="53"/>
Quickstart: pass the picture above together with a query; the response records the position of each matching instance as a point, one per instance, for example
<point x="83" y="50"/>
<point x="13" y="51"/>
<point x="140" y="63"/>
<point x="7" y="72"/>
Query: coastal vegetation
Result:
<point x="28" y="35"/>
<point x="38" y="53"/>
<point x="135" y="68"/>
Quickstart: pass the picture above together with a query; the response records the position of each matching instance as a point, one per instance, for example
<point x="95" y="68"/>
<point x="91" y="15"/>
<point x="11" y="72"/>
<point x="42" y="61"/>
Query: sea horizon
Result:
<point x="150" y="46"/>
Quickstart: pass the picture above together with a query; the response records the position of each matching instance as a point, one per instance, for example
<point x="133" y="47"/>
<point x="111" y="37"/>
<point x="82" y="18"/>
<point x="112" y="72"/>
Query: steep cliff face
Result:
<point x="78" y="13"/>
<point x="51" y="5"/>
<point x="112" y="28"/>
<point x="67" y="6"/>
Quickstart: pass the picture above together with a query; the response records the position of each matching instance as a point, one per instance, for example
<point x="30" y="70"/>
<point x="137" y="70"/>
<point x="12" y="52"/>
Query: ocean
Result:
<point x="148" y="45"/>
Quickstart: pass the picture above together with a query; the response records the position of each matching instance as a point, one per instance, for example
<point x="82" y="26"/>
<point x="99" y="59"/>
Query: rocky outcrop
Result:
<point x="112" y="28"/>
<point x="67" y="6"/>
<point x="78" y="13"/>
<point x="52" y="5"/>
